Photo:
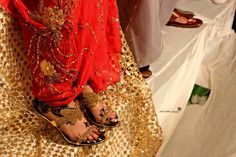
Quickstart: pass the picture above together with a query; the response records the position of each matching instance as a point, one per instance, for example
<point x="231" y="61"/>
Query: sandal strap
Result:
<point x="89" y="99"/>
<point x="105" y="114"/>
<point x="69" y="116"/>
<point x="184" y="13"/>
<point x="175" y="16"/>
<point x="65" y="113"/>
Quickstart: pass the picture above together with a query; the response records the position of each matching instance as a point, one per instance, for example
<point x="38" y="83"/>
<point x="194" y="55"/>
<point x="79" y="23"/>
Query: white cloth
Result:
<point x="210" y="130"/>
<point x="182" y="63"/>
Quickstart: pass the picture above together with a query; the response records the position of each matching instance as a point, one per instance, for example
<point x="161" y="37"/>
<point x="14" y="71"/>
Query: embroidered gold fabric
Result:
<point x="69" y="115"/>
<point x="47" y="68"/>
<point x="23" y="133"/>
<point x="53" y="17"/>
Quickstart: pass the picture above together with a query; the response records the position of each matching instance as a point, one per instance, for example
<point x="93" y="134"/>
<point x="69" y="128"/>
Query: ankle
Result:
<point x="87" y="89"/>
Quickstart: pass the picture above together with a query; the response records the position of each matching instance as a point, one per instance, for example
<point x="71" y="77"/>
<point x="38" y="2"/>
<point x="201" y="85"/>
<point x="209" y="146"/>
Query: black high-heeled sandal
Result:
<point x="67" y="115"/>
<point x="90" y="100"/>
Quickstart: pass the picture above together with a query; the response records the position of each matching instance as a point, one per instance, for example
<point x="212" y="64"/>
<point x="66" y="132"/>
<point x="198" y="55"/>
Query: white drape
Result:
<point x="186" y="57"/>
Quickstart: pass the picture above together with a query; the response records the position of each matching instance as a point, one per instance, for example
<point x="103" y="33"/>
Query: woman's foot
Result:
<point x="180" y="19"/>
<point x="102" y="114"/>
<point x="71" y="122"/>
<point x="187" y="14"/>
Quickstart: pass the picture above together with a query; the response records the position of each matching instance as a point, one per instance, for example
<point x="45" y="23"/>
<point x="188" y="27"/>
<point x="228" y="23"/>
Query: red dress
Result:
<point x="70" y="43"/>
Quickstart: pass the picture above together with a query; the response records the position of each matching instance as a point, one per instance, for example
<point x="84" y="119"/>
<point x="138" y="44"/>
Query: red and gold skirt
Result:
<point x="70" y="43"/>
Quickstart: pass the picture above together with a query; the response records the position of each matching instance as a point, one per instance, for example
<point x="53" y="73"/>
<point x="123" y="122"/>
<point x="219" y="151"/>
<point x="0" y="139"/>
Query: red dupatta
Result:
<point x="8" y="5"/>
<point x="70" y="43"/>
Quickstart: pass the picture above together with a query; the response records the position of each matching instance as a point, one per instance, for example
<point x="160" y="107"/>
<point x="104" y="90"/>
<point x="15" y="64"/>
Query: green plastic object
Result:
<point x="199" y="95"/>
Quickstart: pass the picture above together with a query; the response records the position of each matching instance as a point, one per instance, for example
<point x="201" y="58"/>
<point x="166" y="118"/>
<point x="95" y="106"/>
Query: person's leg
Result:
<point x="144" y="33"/>
<point x="104" y="73"/>
<point x="65" y="52"/>
<point x="166" y="9"/>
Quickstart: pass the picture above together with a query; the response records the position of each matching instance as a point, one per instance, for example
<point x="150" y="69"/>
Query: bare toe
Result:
<point x="112" y="115"/>
<point x="94" y="135"/>
<point x="90" y="138"/>
<point x="97" y="132"/>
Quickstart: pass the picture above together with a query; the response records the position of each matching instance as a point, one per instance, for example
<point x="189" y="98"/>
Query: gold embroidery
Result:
<point x="69" y="116"/>
<point x="47" y="68"/>
<point x="53" y="17"/>
<point x="99" y="4"/>
<point x="91" y="29"/>
<point x="105" y="115"/>
<point x="113" y="19"/>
